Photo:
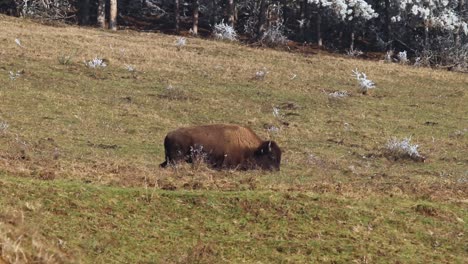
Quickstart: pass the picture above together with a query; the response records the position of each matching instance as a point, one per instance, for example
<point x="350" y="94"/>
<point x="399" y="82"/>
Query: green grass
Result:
<point x="108" y="224"/>
<point x="79" y="159"/>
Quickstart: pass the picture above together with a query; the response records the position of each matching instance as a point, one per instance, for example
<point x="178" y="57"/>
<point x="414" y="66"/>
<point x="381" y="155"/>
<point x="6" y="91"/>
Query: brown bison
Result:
<point x="221" y="146"/>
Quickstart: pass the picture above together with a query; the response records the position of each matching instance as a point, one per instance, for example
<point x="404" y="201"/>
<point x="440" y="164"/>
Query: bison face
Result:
<point x="268" y="156"/>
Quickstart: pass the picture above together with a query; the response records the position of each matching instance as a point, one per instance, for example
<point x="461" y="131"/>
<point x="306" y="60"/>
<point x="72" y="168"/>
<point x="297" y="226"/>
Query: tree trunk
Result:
<point x="351" y="48"/>
<point x="196" y="5"/>
<point x="231" y="17"/>
<point x="262" y="18"/>
<point x="302" y="15"/>
<point x="387" y="26"/>
<point x="101" y="16"/>
<point x="177" y="15"/>
<point x="461" y="13"/>
<point x="113" y="15"/>
<point x="213" y="13"/>
<point x="426" y="35"/>
<point x="318" y="27"/>
<point x="84" y="12"/>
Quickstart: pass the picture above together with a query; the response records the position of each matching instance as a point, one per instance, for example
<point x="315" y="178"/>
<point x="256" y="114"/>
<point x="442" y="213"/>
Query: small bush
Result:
<point x="403" y="149"/>
<point x="224" y="31"/>
<point x="274" y="36"/>
<point x="338" y="95"/>
<point x="403" y="57"/>
<point x="96" y="63"/>
<point x="260" y="74"/>
<point x="174" y="93"/>
<point x="364" y="83"/>
<point x="354" y="53"/>
<point x="65" y="59"/>
<point x="180" y="42"/>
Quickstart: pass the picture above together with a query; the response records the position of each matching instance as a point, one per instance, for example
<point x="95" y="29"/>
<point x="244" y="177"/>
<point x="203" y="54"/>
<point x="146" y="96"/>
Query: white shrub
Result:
<point x="402" y="57"/>
<point x="354" y="52"/>
<point x="96" y="63"/>
<point x="338" y="94"/>
<point x="14" y="75"/>
<point x="260" y="75"/>
<point x="4" y="126"/>
<point x="224" y="31"/>
<point x="180" y="42"/>
<point x="18" y="42"/>
<point x="403" y="149"/>
<point x="364" y="83"/>
<point x="389" y="56"/>
<point x="130" y="68"/>
<point x="274" y="36"/>
<point x="276" y="112"/>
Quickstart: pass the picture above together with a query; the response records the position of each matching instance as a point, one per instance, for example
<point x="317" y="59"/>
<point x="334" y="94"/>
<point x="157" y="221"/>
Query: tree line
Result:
<point x="432" y="32"/>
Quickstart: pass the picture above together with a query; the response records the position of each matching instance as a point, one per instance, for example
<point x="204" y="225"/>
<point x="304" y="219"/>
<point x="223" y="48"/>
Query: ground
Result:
<point x="80" y="149"/>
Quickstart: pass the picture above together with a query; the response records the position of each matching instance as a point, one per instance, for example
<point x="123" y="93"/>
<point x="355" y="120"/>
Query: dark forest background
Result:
<point x="435" y="38"/>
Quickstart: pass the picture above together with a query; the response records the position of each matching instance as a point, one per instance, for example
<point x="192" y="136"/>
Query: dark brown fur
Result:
<point x="221" y="146"/>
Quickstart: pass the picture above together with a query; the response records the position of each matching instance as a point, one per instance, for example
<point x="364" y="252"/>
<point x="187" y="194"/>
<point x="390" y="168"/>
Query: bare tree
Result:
<point x="461" y="11"/>
<point x="213" y="13"/>
<point x="196" y="5"/>
<point x="318" y="27"/>
<point x="113" y="15"/>
<point x="387" y="27"/>
<point x="177" y="15"/>
<point x="231" y="11"/>
<point x="101" y="13"/>
<point x="262" y="18"/>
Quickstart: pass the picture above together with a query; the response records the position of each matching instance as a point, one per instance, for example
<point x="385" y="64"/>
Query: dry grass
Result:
<point x="106" y="127"/>
<point x="21" y="242"/>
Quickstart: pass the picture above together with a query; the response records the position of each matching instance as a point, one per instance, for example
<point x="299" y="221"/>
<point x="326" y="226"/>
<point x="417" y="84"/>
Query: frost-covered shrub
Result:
<point x="48" y="10"/>
<point x="197" y="154"/>
<point x="276" y="112"/>
<point x="403" y="149"/>
<point x="180" y="42"/>
<point x="364" y="83"/>
<point x="349" y="9"/>
<point x="260" y="74"/>
<point x="224" y="31"/>
<point x="389" y="56"/>
<point x="354" y="52"/>
<point x="14" y="75"/>
<point x="3" y="127"/>
<point x="274" y="36"/>
<point x="338" y="95"/>
<point x="96" y="63"/>
<point x="403" y="57"/>
<point x="130" y="68"/>
<point x="423" y="58"/>
<point x="18" y="42"/>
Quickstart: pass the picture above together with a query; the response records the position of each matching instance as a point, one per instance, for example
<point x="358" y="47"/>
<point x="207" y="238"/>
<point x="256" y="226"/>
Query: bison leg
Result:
<point x="164" y="164"/>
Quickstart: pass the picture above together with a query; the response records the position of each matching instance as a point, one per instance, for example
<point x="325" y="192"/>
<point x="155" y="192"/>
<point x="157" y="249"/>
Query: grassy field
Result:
<point x="80" y="149"/>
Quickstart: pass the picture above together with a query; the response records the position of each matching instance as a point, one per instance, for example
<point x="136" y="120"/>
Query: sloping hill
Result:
<point x="80" y="148"/>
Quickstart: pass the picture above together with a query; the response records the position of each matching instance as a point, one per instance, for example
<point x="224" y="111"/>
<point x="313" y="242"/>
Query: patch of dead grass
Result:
<point x="21" y="243"/>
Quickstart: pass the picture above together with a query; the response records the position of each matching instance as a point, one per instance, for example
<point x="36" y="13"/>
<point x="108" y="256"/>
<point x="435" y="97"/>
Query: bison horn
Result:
<point x="269" y="146"/>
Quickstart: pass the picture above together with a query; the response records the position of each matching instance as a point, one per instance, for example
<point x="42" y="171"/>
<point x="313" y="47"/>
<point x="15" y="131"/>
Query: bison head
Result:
<point x="268" y="156"/>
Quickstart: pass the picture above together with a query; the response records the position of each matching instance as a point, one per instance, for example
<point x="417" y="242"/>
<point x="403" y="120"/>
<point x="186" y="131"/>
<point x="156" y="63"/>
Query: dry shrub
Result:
<point x="200" y="253"/>
<point x="425" y="209"/>
<point x="174" y="93"/>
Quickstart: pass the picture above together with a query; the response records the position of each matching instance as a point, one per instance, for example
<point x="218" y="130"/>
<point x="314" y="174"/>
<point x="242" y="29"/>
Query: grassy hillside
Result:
<point x="80" y="148"/>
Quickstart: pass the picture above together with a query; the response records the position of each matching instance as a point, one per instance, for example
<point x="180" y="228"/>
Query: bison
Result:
<point x="221" y="146"/>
